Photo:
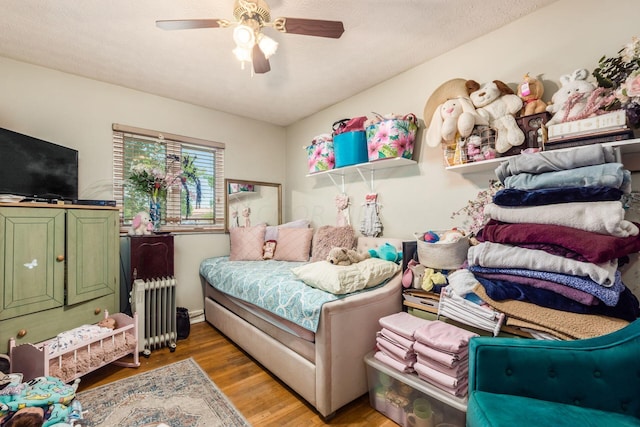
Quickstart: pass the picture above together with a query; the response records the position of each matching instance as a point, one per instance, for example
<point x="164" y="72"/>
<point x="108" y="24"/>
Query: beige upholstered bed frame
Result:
<point x="329" y="372"/>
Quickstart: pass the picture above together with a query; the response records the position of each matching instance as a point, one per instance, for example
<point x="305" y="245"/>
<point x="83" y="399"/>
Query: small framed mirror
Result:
<point x="251" y="203"/>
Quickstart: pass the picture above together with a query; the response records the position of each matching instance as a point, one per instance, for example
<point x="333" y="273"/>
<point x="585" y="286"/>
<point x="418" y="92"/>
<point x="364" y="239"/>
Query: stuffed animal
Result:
<point x="577" y="99"/>
<point x="531" y="91"/>
<point x="269" y="249"/>
<point x="344" y="256"/>
<point x="431" y="278"/>
<point x="571" y="84"/>
<point x="453" y="117"/>
<point x="141" y="224"/>
<point x="497" y="103"/>
<point x="387" y="252"/>
<point x="452" y="236"/>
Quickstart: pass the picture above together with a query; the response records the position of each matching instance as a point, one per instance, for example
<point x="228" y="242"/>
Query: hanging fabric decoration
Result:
<point x="371" y="225"/>
<point x="234" y="218"/>
<point x="246" y="213"/>
<point x="342" y="203"/>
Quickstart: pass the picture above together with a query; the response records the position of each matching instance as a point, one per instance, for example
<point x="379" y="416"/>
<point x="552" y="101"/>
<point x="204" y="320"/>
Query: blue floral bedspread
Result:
<point x="270" y="285"/>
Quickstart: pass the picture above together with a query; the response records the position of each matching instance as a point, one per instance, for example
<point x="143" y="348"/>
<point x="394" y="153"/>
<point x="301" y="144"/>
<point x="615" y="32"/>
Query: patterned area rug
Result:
<point x="178" y="395"/>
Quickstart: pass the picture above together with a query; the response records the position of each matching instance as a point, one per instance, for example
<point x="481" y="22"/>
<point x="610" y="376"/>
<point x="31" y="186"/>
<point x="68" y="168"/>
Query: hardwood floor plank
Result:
<point x="258" y="395"/>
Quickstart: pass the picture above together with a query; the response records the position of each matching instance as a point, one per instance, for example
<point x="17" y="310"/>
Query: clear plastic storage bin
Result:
<point x="394" y="394"/>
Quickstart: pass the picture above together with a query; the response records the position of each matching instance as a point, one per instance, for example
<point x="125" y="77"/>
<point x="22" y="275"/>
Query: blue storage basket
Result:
<point x="350" y="148"/>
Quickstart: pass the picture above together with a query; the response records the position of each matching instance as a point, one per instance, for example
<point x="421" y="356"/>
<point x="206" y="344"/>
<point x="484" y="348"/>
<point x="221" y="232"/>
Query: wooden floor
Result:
<point x="260" y="397"/>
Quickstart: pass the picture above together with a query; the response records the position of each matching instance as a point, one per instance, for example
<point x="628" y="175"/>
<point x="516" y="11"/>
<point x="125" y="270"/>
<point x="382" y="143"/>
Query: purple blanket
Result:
<point x="577" y="295"/>
<point x="591" y="247"/>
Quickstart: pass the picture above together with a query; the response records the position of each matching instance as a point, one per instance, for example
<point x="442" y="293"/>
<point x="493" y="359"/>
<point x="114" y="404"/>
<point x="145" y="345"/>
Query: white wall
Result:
<point x="564" y="36"/>
<point x="78" y="113"/>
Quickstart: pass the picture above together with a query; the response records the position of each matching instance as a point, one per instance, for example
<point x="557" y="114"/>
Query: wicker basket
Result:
<point x="440" y="255"/>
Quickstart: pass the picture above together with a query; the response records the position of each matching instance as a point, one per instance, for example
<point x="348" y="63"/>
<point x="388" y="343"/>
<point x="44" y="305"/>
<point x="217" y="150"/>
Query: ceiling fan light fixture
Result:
<point x="267" y="45"/>
<point x="243" y="55"/>
<point x="244" y="36"/>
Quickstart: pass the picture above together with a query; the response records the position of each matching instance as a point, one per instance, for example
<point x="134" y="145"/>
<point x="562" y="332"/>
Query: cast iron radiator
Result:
<point x="154" y="301"/>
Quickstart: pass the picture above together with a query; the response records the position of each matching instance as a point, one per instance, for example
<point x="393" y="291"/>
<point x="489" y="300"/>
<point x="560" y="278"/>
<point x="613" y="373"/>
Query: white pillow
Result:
<point x="344" y="279"/>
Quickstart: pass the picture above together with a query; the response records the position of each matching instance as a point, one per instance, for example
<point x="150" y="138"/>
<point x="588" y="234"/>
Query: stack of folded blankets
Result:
<point x="442" y="352"/>
<point x="395" y="340"/>
<point x="549" y="254"/>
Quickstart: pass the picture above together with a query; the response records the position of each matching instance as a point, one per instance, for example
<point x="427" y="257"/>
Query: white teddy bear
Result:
<point x="576" y="87"/>
<point x="454" y="116"/>
<point x="498" y="104"/>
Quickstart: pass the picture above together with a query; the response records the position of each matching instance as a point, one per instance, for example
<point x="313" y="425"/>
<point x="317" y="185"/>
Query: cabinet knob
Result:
<point x="60" y="258"/>
<point x="22" y="333"/>
<point x="97" y="310"/>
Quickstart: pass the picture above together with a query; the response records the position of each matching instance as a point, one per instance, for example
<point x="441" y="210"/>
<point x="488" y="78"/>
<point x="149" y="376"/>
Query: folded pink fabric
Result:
<point x="391" y="362"/>
<point x="399" y="352"/>
<point x="460" y="391"/>
<point x="397" y="338"/>
<point x="443" y="336"/>
<point x="459" y="371"/>
<point x="437" y="376"/>
<point x="402" y="323"/>
<point x="450" y="360"/>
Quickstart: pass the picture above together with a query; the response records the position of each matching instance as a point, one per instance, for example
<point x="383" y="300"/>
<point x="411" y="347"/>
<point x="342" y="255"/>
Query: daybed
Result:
<point x="323" y="363"/>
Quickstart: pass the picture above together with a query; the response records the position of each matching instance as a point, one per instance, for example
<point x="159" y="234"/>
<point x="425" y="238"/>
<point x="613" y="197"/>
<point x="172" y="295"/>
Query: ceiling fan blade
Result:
<point x="310" y="27"/>
<point x="260" y="62"/>
<point x="188" y="24"/>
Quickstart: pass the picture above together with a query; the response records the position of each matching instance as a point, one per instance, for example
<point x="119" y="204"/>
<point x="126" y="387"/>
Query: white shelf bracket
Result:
<point x="339" y="186"/>
<point x="372" y="178"/>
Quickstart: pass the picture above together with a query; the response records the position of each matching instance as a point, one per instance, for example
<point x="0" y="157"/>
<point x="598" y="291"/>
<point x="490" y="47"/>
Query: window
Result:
<point x="193" y="170"/>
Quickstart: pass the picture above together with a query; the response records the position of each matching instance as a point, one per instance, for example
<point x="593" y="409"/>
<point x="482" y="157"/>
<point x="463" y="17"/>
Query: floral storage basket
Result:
<point x="442" y="255"/>
<point x="392" y="137"/>
<point x="320" y="153"/>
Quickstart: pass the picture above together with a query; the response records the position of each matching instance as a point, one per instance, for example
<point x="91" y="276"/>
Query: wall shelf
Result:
<point x="629" y="146"/>
<point x="361" y="169"/>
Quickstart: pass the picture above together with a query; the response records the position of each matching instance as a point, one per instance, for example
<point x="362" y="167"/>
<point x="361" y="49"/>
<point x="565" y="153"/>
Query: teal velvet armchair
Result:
<point x="520" y="382"/>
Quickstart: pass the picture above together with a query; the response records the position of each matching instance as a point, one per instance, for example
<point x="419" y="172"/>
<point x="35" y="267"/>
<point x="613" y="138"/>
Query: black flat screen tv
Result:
<point x="37" y="169"/>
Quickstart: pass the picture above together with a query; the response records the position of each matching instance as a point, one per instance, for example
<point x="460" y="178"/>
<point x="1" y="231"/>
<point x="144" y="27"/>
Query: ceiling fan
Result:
<point x="250" y="17"/>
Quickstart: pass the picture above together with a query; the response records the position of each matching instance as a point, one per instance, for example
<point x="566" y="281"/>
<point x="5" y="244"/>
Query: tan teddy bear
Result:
<point x="344" y="256"/>
<point x="531" y="91"/>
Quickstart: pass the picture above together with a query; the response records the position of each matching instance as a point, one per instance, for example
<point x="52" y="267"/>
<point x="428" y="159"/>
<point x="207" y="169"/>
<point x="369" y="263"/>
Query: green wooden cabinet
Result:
<point x="59" y="269"/>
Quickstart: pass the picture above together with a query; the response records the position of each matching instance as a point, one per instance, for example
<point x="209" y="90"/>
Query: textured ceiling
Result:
<point x="117" y="42"/>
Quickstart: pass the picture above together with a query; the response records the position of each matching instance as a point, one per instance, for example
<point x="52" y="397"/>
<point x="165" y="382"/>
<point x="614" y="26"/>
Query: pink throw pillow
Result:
<point x="246" y="243"/>
<point x="294" y="244"/>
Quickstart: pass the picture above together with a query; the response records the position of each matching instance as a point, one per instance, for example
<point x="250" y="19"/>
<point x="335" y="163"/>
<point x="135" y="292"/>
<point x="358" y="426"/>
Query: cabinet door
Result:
<point x="92" y="254"/>
<point x="151" y="257"/>
<point x="31" y="260"/>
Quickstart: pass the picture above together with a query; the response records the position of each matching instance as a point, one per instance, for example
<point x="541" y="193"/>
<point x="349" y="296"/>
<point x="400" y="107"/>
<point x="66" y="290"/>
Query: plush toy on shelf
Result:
<point x="577" y="99"/>
<point x="387" y="252"/>
<point x="451" y="118"/>
<point x="141" y="224"/>
<point x="344" y="256"/>
<point x="531" y="91"/>
<point x="498" y="104"/>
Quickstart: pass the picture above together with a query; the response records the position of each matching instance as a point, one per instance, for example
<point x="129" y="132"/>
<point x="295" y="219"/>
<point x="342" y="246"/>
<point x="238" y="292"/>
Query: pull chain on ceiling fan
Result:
<point x="251" y="44"/>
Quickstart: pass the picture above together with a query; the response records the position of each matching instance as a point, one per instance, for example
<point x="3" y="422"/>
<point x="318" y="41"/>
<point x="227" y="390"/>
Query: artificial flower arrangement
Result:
<point x="621" y="73"/>
<point x="153" y="181"/>
<point x="474" y="210"/>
